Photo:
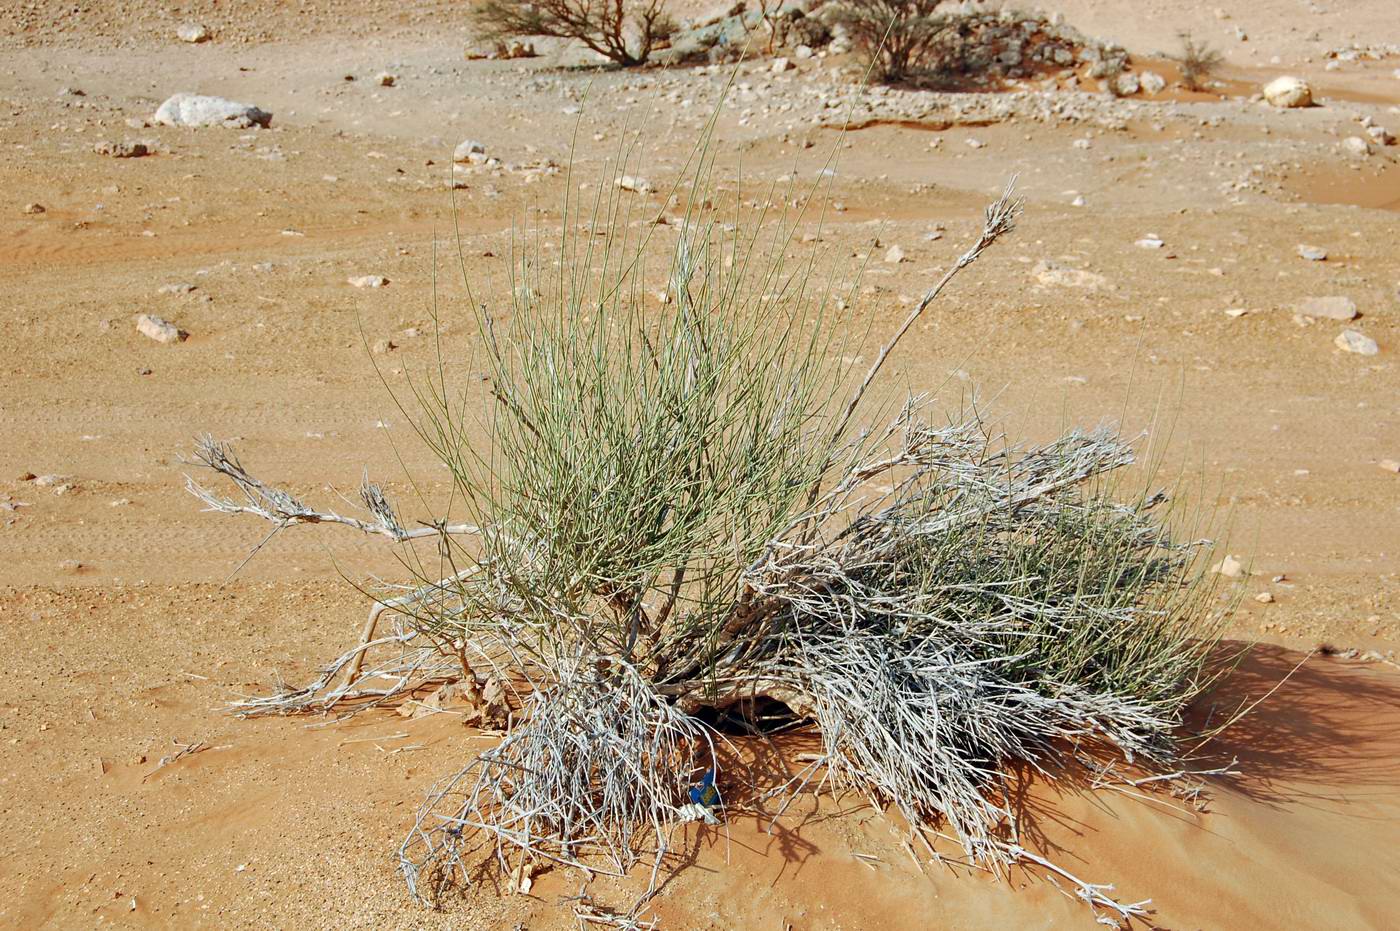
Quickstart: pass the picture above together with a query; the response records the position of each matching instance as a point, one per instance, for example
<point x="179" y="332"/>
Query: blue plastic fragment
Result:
<point x="705" y="793"/>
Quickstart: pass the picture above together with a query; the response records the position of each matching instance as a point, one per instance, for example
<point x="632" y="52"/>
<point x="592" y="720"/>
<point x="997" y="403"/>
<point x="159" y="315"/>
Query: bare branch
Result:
<point x="284" y="509"/>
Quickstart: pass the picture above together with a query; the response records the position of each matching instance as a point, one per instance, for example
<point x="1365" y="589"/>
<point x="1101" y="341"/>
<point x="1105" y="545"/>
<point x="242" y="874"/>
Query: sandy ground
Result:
<point x="122" y="635"/>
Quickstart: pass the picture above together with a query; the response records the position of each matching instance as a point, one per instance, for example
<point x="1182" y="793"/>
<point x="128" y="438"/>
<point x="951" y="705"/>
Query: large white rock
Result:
<point x="158" y="329"/>
<point x="1359" y="343"/>
<point x="469" y="150"/>
<point x="1288" y="91"/>
<point x="1356" y="147"/>
<point x="1231" y="567"/>
<point x="1330" y="308"/>
<point x="193" y="32"/>
<point x="1152" y="82"/>
<point x="199" y="110"/>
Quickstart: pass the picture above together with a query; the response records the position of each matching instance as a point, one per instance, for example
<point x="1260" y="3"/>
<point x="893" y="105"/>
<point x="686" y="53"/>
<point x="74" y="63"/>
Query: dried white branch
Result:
<point x="1000" y="219"/>
<point x="1094" y="894"/>
<point x="284" y="509"/>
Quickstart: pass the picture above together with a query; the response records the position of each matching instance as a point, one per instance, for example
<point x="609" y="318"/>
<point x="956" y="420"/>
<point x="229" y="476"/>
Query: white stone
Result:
<point x="1288" y="91"/>
<point x="1356" y="147"/>
<point x="1128" y="84"/>
<point x="162" y="331"/>
<point x="193" y="32"/>
<point x="1152" y="82"/>
<point x="1150" y="241"/>
<point x="802" y="52"/>
<point x="1359" y="343"/>
<point x="1329" y="308"/>
<point x="637" y="185"/>
<point x="782" y="64"/>
<point x="121" y="149"/>
<point x="369" y="281"/>
<point x="469" y="150"/>
<point x="1231" y="567"/>
<point x="895" y="255"/>
<point x="1054" y="274"/>
<point x="1313" y="254"/>
<point x="200" y="110"/>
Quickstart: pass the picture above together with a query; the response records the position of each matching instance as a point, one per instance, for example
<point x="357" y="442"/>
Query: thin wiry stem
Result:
<point x="1000" y="219"/>
<point x="284" y="509"/>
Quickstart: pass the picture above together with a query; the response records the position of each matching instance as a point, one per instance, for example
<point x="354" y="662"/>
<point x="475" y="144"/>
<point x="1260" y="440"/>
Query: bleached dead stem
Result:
<point x="1093" y="894"/>
<point x="283" y="509"/>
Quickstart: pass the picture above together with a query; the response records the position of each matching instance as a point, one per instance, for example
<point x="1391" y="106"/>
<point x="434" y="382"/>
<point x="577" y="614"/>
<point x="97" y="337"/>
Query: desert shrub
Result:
<point x="682" y="509"/>
<point x="911" y="40"/>
<point x="1198" y="62"/>
<point x="899" y="36"/>
<point x="625" y="32"/>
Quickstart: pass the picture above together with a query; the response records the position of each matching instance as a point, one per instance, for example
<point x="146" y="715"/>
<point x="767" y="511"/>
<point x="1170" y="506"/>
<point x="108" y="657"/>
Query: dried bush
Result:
<point x="684" y="510"/>
<point x="625" y="32"/>
<point x="1198" y="62"/>
<point x="899" y="36"/>
<point x="911" y="40"/>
